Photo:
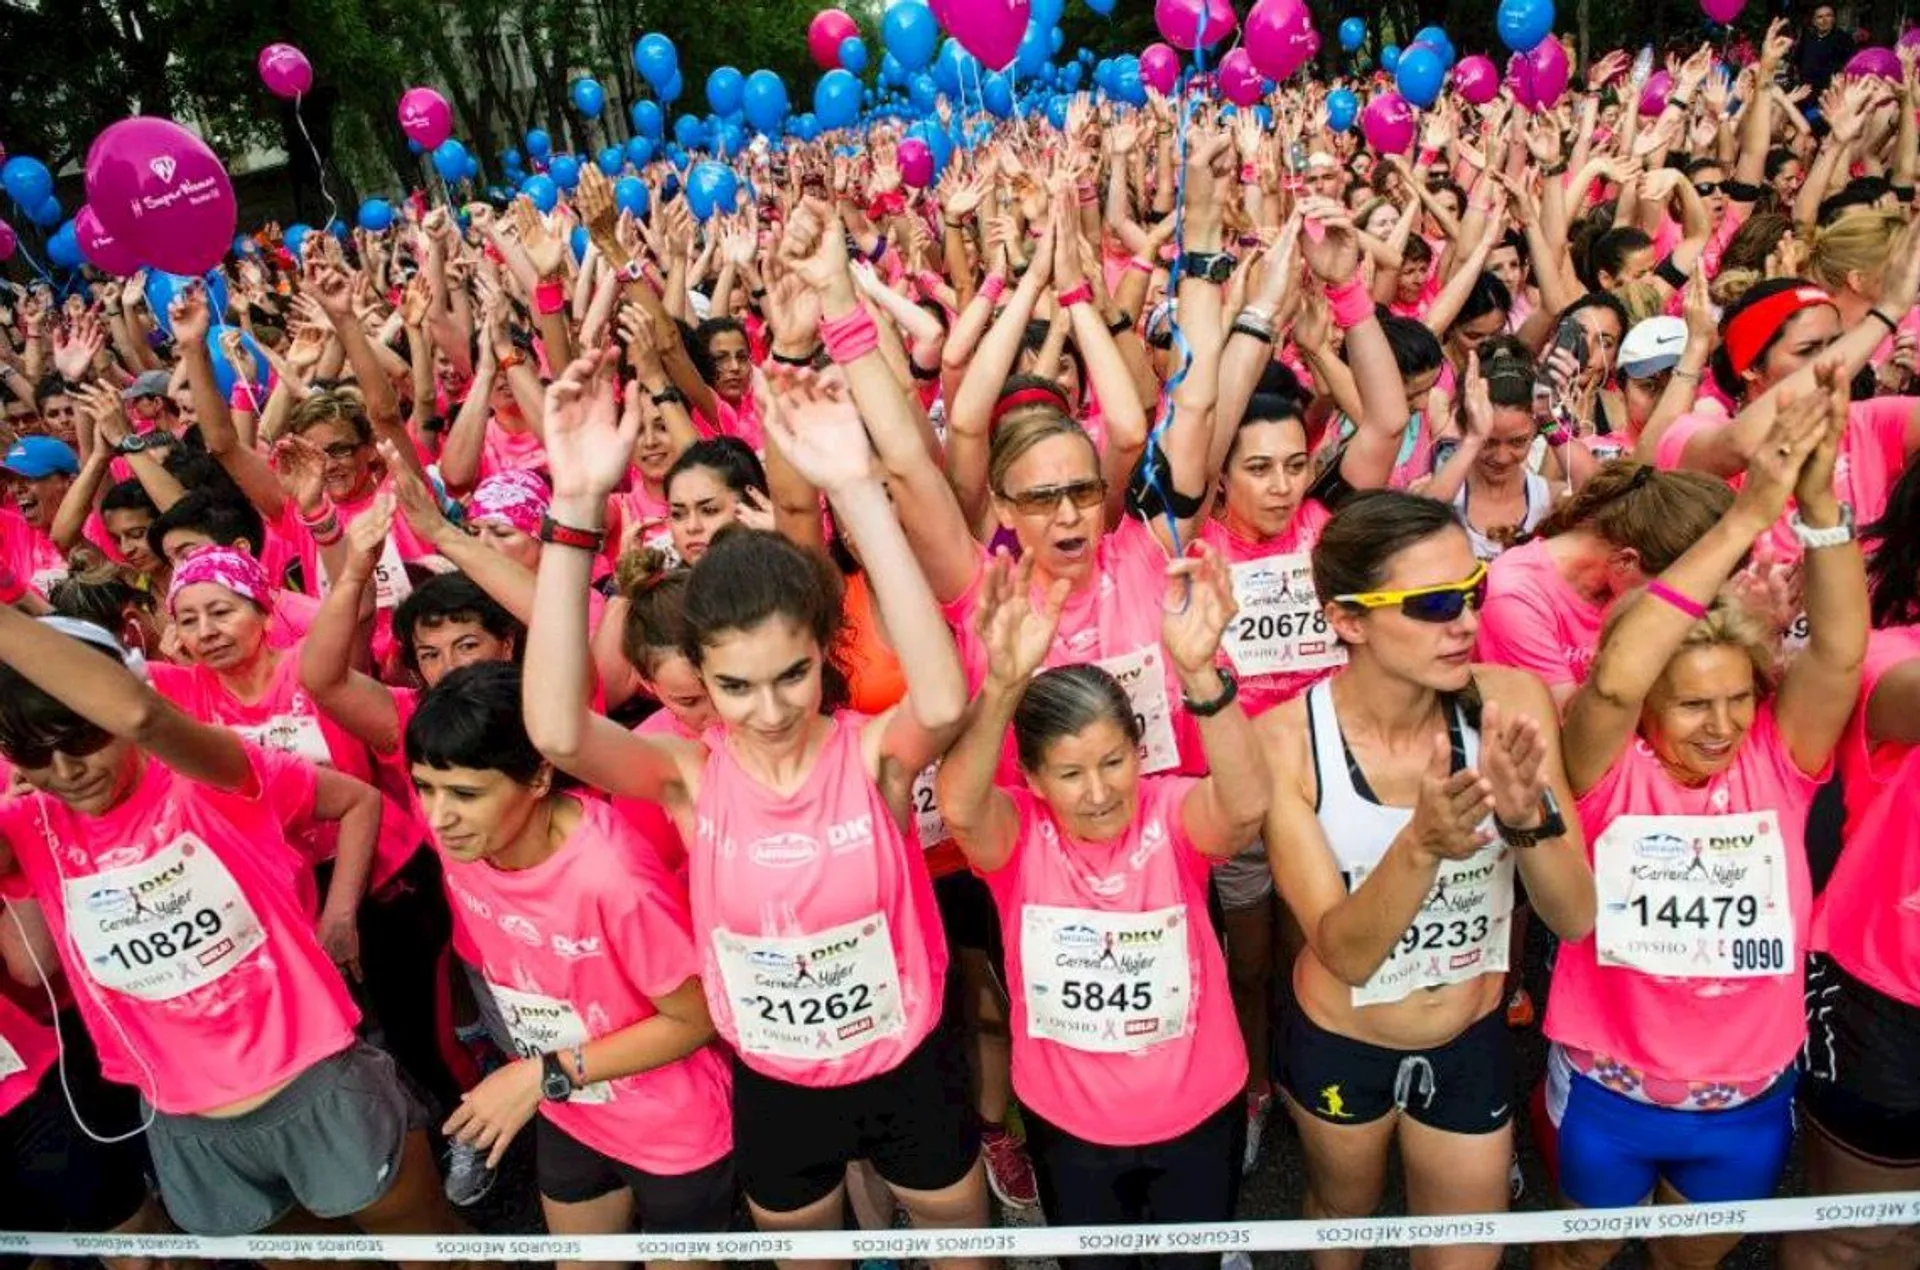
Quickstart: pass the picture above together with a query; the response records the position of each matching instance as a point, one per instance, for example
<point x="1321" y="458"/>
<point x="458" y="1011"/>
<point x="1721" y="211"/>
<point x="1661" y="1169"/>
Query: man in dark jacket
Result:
<point x="1823" y="51"/>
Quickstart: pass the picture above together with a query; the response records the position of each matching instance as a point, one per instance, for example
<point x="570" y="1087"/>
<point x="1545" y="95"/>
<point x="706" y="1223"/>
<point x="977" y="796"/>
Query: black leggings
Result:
<point x="405" y="928"/>
<point x="1192" y="1178"/>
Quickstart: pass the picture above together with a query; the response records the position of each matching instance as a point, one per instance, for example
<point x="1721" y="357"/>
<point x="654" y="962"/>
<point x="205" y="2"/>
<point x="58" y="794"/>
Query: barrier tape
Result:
<point x="1759" y="1217"/>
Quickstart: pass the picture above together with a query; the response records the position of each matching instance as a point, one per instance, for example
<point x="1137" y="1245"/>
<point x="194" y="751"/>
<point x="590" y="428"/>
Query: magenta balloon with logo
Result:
<point x="1280" y="37"/>
<point x="1179" y="21"/>
<point x="8" y="241"/>
<point x="1722" y="10"/>
<point x="100" y="247"/>
<point x="1880" y="61"/>
<point x="1477" y="79"/>
<point x="1388" y="123"/>
<point x="162" y="194"/>
<point x="1240" y="80"/>
<point x="991" y="30"/>
<point x="916" y="163"/>
<point x="425" y="117"/>
<point x="1653" y="97"/>
<point x="1540" y="75"/>
<point x="824" y="33"/>
<point x="1159" y="67"/>
<point x="285" y="71"/>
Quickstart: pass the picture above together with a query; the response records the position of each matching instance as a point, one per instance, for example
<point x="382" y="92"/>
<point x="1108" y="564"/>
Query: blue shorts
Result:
<point x="1614" y="1150"/>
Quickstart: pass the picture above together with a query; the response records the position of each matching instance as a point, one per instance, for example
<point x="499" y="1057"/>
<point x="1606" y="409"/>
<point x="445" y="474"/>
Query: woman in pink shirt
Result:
<point x="1677" y="1024"/>
<point x="585" y="945"/>
<point x="1126" y="1050"/>
<point x="820" y="941"/>
<point x="159" y="849"/>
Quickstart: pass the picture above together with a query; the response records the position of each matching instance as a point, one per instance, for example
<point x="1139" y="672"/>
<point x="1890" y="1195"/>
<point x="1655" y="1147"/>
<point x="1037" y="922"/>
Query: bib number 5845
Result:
<point x="1079" y="994"/>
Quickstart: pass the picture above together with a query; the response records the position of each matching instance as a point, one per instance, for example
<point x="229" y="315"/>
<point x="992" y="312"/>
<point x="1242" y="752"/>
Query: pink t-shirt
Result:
<point x="286" y="719"/>
<point x="1096" y="922"/>
<point x="634" y="510"/>
<point x="1868" y="918"/>
<point x="178" y="919"/>
<point x="741" y="421"/>
<point x="27" y="1049"/>
<point x="1113" y="622"/>
<point x="1535" y="620"/>
<point x="822" y="953"/>
<point x="291" y="619"/>
<point x="1261" y="692"/>
<point x="1682" y="1029"/>
<point x="507" y="449"/>
<point x="650" y="818"/>
<point x="580" y="946"/>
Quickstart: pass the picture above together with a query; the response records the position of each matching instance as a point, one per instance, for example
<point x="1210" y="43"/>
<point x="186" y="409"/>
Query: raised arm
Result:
<point x="1222" y="813"/>
<point x="337" y="640"/>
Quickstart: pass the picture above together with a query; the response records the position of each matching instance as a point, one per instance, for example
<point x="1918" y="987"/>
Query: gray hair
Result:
<point x="1063" y="702"/>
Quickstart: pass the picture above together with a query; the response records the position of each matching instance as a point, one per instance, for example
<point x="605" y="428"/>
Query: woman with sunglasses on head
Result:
<point x="1125" y="1050"/>
<point x="1676" y="1025"/>
<point x="160" y="849"/>
<point x="1409" y="789"/>
<point x="811" y="903"/>
<point x="1486" y="476"/>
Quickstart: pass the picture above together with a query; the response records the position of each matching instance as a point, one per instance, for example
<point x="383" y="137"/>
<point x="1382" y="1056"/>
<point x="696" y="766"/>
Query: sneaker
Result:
<point x="468" y="1177"/>
<point x="1520" y="1009"/>
<point x="1258" y="1105"/>
<point x="1009" y="1171"/>
<point x="1235" y="1261"/>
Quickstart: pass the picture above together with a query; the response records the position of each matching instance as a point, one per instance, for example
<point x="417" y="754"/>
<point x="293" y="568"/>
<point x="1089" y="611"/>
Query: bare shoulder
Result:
<point x="1287" y="744"/>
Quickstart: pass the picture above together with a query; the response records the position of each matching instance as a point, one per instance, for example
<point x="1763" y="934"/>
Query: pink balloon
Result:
<point x="1388" y="123"/>
<point x="824" y="33"/>
<point x="1909" y="38"/>
<point x="1723" y="10"/>
<point x="425" y="117"/>
<point x="162" y="194"/>
<point x="1540" y="75"/>
<point x="100" y="247"/>
<point x="285" y="71"/>
<point x="1280" y="37"/>
<point x="991" y="30"/>
<point x="8" y="241"/>
<point x="1179" y="21"/>
<point x="1477" y="79"/>
<point x="1240" y="80"/>
<point x="916" y="163"/>
<point x="1879" y="61"/>
<point x="1159" y="67"/>
<point x="1653" y="98"/>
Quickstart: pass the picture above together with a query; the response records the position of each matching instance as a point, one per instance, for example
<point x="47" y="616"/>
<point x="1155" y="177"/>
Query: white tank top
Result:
<point x="1539" y="496"/>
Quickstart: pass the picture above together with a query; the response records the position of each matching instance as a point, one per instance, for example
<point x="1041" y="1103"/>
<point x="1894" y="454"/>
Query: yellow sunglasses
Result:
<point x="1436" y="604"/>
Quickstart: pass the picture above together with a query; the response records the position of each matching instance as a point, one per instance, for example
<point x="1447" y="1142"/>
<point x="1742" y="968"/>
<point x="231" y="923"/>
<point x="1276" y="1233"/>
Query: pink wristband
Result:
<point x="1351" y="304"/>
<point x="994" y="287"/>
<point x="851" y="337"/>
<point x="549" y="298"/>
<point x="1138" y="265"/>
<point x="1080" y="294"/>
<point x="929" y="282"/>
<point x="1661" y="591"/>
<point x="1427" y="157"/>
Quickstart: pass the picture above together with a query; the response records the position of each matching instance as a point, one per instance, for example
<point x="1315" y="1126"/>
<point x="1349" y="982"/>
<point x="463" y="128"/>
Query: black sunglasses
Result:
<point x="83" y="741"/>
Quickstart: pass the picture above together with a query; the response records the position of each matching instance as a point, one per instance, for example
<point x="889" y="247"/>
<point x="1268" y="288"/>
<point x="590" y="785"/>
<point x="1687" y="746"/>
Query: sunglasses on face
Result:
<point x="1707" y="189"/>
<point x="1084" y="495"/>
<point x="1435" y="604"/>
<point x="83" y="742"/>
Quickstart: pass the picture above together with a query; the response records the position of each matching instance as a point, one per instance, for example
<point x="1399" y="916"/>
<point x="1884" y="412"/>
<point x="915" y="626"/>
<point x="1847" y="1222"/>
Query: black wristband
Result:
<point x="1670" y="273"/>
<point x="669" y="395"/>
<point x="1229" y="689"/>
<point x="807" y="360"/>
<point x="1121" y="325"/>
<point x="1893" y="327"/>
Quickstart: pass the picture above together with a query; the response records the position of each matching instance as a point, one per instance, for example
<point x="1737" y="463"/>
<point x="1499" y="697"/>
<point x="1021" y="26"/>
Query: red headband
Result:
<point x="1031" y="396"/>
<point x="1755" y="326"/>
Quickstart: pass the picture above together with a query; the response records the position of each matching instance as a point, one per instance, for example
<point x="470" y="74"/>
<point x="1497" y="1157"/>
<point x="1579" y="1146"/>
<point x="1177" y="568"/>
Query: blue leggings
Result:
<point x="1614" y="1150"/>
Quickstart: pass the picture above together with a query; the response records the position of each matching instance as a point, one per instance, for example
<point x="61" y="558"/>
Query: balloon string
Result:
<point x="21" y="243"/>
<point x="320" y="168"/>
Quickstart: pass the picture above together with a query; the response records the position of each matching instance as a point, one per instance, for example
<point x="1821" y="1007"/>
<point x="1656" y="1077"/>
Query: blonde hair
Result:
<point x="1729" y="623"/>
<point x="1860" y="240"/>
<point x="1019" y="431"/>
<point x="1643" y="299"/>
<point x="343" y="404"/>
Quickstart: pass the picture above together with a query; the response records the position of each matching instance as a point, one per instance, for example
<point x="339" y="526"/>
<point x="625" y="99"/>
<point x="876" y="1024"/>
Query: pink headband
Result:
<point x="229" y="567"/>
<point x="520" y="498"/>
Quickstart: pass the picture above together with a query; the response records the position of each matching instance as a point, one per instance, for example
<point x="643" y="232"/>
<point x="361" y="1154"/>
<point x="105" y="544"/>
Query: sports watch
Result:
<point x="1552" y="824"/>
<point x="1215" y="267"/>
<point x="555" y="1084"/>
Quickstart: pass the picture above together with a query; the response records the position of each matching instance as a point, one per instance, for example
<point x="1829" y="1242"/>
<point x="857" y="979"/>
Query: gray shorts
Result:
<point x="1244" y="880"/>
<point x="330" y="1143"/>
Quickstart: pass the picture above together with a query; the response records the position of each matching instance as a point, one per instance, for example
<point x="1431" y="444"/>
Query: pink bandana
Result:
<point x="518" y="497"/>
<point x="229" y="567"/>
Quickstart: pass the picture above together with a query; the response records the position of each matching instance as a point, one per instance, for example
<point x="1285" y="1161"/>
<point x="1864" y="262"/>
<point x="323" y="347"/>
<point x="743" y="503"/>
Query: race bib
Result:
<point x="1143" y="676"/>
<point x="295" y="734"/>
<point x="1280" y="627"/>
<point x="1694" y="897"/>
<point x="1460" y="932"/>
<point x="10" y="1060"/>
<point x="1109" y="983"/>
<point x="540" y="1025"/>
<point x="812" y="997"/>
<point x="390" y="582"/>
<point x="165" y="927"/>
<point x="44" y="580"/>
<point x="926" y="810"/>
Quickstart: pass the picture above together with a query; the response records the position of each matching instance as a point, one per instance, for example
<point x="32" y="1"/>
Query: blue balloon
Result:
<point x="1436" y="39"/>
<point x="836" y="100"/>
<point x="911" y="34"/>
<point x="1035" y="49"/>
<point x="565" y="171"/>
<point x="63" y="247"/>
<point x="578" y="241"/>
<point x="996" y="95"/>
<point x="541" y="190"/>
<point x="1057" y="112"/>
<point x="922" y="93"/>
<point x="647" y="118"/>
<point x="954" y="67"/>
<point x="1390" y="58"/>
<point x="630" y="195"/>
<point x="640" y="151"/>
<point x="656" y="59"/>
<point x="161" y="288"/>
<point x="46" y="213"/>
<point x="1524" y="23"/>
<point x="1127" y="86"/>
<point x="733" y="138"/>
<point x="539" y="144"/>
<point x="450" y="161"/>
<point x="376" y="214"/>
<point x="510" y="157"/>
<point x="1353" y="32"/>
<point x="689" y="132"/>
<point x="671" y="90"/>
<point x="1342" y="107"/>
<point x="853" y="54"/>
<point x="724" y="88"/>
<point x="1420" y="75"/>
<point x="414" y="147"/>
<point x="226" y="376"/>
<point x="766" y="101"/>
<point x="711" y="188"/>
<point x="611" y="159"/>
<point x="1102" y="7"/>
<point x="1070" y="76"/>
<point x="588" y="97"/>
<point x="26" y="181"/>
<point x="1056" y="41"/>
<point x="243" y="245"/>
<point x="295" y="239"/>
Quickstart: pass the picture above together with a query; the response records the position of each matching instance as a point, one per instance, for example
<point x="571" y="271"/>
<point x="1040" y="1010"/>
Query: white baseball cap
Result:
<point x="1652" y="346"/>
